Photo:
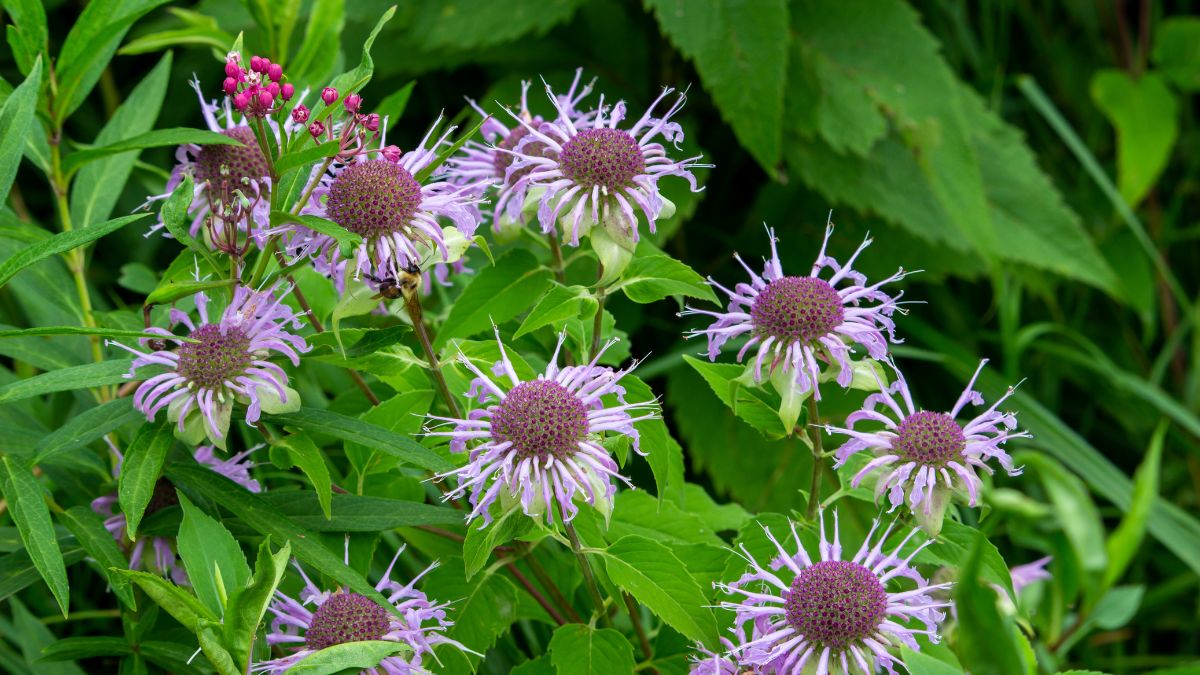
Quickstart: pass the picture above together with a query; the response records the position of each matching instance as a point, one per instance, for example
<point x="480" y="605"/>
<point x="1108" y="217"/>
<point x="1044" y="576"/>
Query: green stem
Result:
<point x="636" y="618"/>
<point x="412" y="302"/>
<point x="814" y="433"/>
<point x="544" y="579"/>
<point x="560" y="270"/>
<point x="588" y="578"/>
<point x="598" y="323"/>
<point x="309" y="190"/>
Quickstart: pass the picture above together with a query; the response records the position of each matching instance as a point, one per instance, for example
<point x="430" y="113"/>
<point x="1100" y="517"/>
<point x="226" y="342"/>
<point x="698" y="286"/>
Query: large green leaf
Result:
<point x="1125" y="541"/>
<point x="484" y="609"/>
<point x="27" y="503"/>
<point x="213" y="559"/>
<point x="97" y="186"/>
<point x="91" y="534"/>
<point x="305" y="454"/>
<point x="740" y="49"/>
<point x="754" y="405"/>
<point x="248" y="605"/>
<point x="496" y="294"/>
<point x="16" y="118"/>
<point x="348" y="657"/>
<point x="352" y="513"/>
<point x="141" y="469"/>
<point x="364" y="433"/>
<point x="663" y="453"/>
<point x="150" y="139"/>
<point x="67" y="379"/>
<point x="576" y="649"/>
<point x="987" y="641"/>
<point x="1144" y="113"/>
<point x="322" y="35"/>
<point x="61" y="243"/>
<point x="657" y="276"/>
<point x="18" y="571"/>
<point x="28" y="34"/>
<point x="86" y="427"/>
<point x="653" y="575"/>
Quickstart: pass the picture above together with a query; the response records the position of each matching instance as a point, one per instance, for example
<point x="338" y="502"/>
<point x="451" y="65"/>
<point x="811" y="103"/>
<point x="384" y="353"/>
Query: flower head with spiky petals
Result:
<point x="163" y="561"/>
<point x="397" y="217"/>
<point x="223" y="360"/>
<point x="320" y="619"/>
<point x="1029" y="573"/>
<point x="837" y="614"/>
<point x="921" y="449"/>
<point x="232" y="182"/>
<point x="482" y="165"/>
<point x="592" y="172"/>
<point x="537" y="442"/>
<point x="705" y="662"/>
<point x="795" y="323"/>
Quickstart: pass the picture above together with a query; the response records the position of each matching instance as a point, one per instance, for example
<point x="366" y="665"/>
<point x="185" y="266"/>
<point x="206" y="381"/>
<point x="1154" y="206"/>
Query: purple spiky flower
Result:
<point x="921" y="449"/>
<point x="482" y="165"/>
<point x="836" y="614"/>
<point x="797" y="323"/>
<point x="320" y="619"/>
<point x="591" y="172"/>
<point x="537" y="442"/>
<point x="397" y="217"/>
<point x="1029" y="573"/>
<point x="236" y="468"/>
<point x="227" y="361"/>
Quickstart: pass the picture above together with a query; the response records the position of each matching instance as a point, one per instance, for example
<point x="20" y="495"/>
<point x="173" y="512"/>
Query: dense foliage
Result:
<point x="308" y="364"/>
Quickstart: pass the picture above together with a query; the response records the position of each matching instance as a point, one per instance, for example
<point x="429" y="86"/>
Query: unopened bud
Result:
<point x="265" y="99"/>
<point x="241" y="101"/>
<point x="329" y="95"/>
<point x="273" y="89"/>
<point x="258" y="64"/>
<point x="230" y="86"/>
<point x="353" y="102"/>
<point x="392" y="154"/>
<point x="371" y="122"/>
<point x="316" y="129"/>
<point x="275" y="72"/>
<point x="286" y="91"/>
<point x="232" y="69"/>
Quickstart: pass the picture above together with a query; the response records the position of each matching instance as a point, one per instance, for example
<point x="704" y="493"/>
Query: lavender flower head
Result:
<point x="592" y="172"/>
<point x="397" y="217"/>
<point x="538" y="442"/>
<point x="482" y="165"/>
<point x="228" y="361"/>
<point x="321" y="619"/>
<point x="163" y="561"/>
<point x="795" y="323"/>
<point x="921" y="449"/>
<point x="232" y="182"/>
<point x="705" y="662"/>
<point x="834" y="613"/>
<point x="1029" y="573"/>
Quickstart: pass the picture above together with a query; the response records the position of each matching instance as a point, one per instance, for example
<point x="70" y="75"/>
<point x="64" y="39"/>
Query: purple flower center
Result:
<point x="346" y="617"/>
<point x="164" y="497"/>
<point x="929" y="438"/>
<point x="836" y="603"/>
<point x="219" y="355"/>
<point x="797" y="309"/>
<point x="541" y="419"/>
<point x="374" y="198"/>
<point x="502" y="160"/>
<point x="239" y="162"/>
<point x="609" y="158"/>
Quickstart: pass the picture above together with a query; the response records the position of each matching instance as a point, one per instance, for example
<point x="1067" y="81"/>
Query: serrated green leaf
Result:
<point x="663" y="453"/>
<point x="18" y="572"/>
<point x="364" y="433"/>
<point x="352" y="656"/>
<point x="756" y="406"/>
<point x="557" y="305"/>
<point x="91" y="534"/>
<point x="140" y="471"/>
<point x="486" y="608"/>
<point x="482" y="538"/>
<point x="954" y="544"/>
<point x="920" y="664"/>
<point x="187" y="610"/>
<point x="27" y="503"/>
<point x="583" y="650"/>
<point x="16" y="118"/>
<point x="653" y="575"/>
<point x="67" y="379"/>
<point x="496" y="294"/>
<point x="654" y="277"/>
<point x="61" y="243"/>
<point x="208" y="549"/>
<point x="306" y="455"/>
<point x="740" y="50"/>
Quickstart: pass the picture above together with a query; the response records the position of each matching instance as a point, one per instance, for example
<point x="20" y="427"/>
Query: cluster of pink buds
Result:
<point x="353" y="131"/>
<point x="256" y="91"/>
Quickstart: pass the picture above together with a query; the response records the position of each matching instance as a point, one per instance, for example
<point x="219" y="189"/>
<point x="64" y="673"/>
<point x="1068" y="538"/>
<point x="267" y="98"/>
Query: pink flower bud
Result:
<point x="329" y="95"/>
<point x="316" y="129"/>
<point x="353" y="102"/>
<point x="299" y="113"/>
<point x="273" y="89"/>
<point x="241" y="101"/>
<point x="392" y="154"/>
<point x="371" y="122"/>
<point x="265" y="99"/>
<point x="275" y="72"/>
<point x="258" y="64"/>
<point x="230" y="86"/>
<point x="286" y="91"/>
<point x="232" y="69"/>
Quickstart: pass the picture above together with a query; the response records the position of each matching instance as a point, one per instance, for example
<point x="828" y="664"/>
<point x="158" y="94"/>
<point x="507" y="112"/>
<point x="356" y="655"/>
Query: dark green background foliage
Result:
<point x="1038" y="161"/>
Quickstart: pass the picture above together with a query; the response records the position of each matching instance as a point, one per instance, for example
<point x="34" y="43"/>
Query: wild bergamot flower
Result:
<point x="482" y="165"/>
<point x="381" y="200"/>
<point x="539" y="441"/>
<point x="163" y="561"/>
<point x="921" y="449"/>
<point x="592" y="172"/>
<point x="837" y="614"/>
<point x="322" y="619"/>
<point x="228" y="361"/>
<point x="795" y="323"/>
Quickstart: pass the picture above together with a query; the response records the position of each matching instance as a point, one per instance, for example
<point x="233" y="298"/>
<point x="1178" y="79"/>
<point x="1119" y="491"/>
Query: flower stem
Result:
<point x="588" y="579"/>
<point x="814" y="433"/>
<point x="560" y="272"/>
<point x="636" y="618"/>
<point x="598" y="324"/>
<point x="544" y="579"/>
<point x="412" y="302"/>
<point x="536" y="594"/>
